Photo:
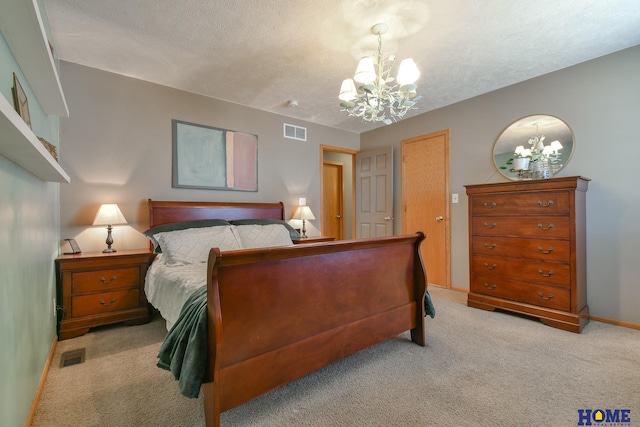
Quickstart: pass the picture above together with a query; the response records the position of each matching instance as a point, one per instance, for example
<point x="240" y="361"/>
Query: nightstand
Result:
<point x="313" y="239"/>
<point x="98" y="288"/>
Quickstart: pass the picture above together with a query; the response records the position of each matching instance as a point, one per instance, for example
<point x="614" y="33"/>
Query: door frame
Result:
<point x="331" y="149"/>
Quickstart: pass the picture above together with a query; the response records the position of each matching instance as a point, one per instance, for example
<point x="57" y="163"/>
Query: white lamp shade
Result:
<point x="556" y="145"/>
<point x="109" y="214"/>
<point x="408" y="72"/>
<point x="303" y="212"/>
<point x="548" y="150"/>
<point x="347" y="90"/>
<point x="365" y="73"/>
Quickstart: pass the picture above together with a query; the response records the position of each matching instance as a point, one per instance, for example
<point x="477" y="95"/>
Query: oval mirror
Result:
<point x="546" y="137"/>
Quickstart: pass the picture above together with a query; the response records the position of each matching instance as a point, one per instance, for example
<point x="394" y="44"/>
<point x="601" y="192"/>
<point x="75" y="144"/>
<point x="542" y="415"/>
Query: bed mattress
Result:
<point x="168" y="286"/>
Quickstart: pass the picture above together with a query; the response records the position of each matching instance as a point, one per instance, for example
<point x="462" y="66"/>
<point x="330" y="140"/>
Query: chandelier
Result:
<point x="542" y="160"/>
<point x="377" y="99"/>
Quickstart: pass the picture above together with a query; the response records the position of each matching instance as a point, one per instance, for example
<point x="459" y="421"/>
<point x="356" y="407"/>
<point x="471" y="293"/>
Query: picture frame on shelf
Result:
<point x="20" y="101"/>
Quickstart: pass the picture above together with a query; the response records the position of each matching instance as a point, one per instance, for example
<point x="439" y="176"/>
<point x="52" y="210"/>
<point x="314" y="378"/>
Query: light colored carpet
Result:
<point x="478" y="369"/>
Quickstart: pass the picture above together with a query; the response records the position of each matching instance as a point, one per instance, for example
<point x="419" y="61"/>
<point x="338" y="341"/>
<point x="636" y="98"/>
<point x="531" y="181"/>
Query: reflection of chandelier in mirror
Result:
<point x="543" y="160"/>
<point x="376" y="99"/>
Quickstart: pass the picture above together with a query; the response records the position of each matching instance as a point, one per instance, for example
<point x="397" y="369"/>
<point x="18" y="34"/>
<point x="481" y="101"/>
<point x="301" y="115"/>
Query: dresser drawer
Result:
<point x="537" y="203"/>
<point x="107" y="302"/>
<point x="543" y="249"/>
<point x="540" y="295"/>
<point x="546" y="273"/>
<point x="104" y="280"/>
<point x="538" y="227"/>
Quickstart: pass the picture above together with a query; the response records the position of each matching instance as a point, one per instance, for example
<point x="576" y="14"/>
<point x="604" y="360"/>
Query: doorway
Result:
<point x="425" y="199"/>
<point x="345" y="158"/>
<point x="332" y="200"/>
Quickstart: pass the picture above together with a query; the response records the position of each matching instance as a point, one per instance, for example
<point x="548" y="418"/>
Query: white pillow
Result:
<point x="193" y="244"/>
<point x="262" y="236"/>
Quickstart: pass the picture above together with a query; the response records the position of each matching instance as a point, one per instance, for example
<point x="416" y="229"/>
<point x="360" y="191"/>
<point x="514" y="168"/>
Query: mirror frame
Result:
<point x="519" y="132"/>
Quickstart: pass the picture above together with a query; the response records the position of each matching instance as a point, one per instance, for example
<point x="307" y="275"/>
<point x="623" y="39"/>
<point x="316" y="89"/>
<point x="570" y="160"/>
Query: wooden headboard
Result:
<point x="162" y="212"/>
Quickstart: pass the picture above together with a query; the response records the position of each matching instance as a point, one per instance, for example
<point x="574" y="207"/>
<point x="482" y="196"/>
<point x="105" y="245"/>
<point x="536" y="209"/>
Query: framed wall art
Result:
<point x="211" y="158"/>
<point x="20" y="101"/>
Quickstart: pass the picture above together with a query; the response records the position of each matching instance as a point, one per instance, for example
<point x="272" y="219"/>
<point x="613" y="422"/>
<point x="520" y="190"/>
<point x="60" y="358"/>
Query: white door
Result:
<point x="374" y="193"/>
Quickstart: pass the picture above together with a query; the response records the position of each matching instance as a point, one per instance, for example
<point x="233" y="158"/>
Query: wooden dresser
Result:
<point x="98" y="289"/>
<point x="527" y="249"/>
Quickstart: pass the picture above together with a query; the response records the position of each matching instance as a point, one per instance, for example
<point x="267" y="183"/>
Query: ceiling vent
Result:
<point x="295" y="132"/>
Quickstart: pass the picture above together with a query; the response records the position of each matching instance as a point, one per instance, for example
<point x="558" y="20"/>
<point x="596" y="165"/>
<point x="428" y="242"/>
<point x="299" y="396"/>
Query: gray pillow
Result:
<point x="173" y="226"/>
<point x="292" y="231"/>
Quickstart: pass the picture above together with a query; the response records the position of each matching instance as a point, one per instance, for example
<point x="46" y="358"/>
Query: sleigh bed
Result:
<point x="276" y="314"/>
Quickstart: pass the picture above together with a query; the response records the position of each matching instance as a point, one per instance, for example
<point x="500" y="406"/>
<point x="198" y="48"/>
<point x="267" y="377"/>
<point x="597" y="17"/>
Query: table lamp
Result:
<point x="304" y="213"/>
<point x="109" y="214"/>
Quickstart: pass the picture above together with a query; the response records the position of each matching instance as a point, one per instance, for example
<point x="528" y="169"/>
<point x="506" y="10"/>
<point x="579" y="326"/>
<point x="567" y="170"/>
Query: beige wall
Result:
<point x="116" y="147"/>
<point x="600" y="100"/>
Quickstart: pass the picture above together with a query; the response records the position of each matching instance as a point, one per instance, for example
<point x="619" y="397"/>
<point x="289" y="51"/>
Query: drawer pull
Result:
<point x="489" y="206"/>
<point x="492" y="287"/>
<point x="541" y="227"/>
<point x="107" y="304"/>
<point x="549" y="204"/>
<point x="543" y="251"/>
<point x="543" y="274"/>
<point x="493" y="246"/>
<point x="492" y="226"/>
<point x="490" y="267"/>
<point x="106" y="282"/>
<point x="545" y="298"/>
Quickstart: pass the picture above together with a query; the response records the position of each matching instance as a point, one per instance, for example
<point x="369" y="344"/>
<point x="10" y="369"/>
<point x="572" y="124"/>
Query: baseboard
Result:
<point x="45" y="371"/>
<point x="614" y="322"/>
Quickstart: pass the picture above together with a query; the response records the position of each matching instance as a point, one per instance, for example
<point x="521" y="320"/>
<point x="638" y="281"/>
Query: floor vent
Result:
<point x="72" y="357"/>
<point x="295" y="132"/>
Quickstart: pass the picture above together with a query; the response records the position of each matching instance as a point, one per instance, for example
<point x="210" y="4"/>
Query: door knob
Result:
<point x="338" y="216"/>
<point x="439" y="218"/>
<point x="387" y="218"/>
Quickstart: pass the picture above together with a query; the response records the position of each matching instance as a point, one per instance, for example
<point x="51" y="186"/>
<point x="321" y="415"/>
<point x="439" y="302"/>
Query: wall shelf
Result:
<point x="22" y="27"/>
<point x="19" y="144"/>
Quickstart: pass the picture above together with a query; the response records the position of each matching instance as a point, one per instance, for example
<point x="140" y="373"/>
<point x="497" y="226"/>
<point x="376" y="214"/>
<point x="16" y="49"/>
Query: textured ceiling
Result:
<point x="263" y="53"/>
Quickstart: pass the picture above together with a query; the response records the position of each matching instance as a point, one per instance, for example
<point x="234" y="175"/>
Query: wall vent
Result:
<point x="295" y="132"/>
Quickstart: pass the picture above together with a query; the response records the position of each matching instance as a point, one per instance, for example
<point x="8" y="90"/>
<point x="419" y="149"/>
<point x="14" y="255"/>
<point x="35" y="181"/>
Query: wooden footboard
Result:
<point x="277" y="314"/>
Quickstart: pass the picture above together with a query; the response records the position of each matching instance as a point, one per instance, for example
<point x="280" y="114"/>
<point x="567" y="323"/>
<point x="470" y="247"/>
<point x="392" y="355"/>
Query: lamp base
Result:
<point x="109" y="241"/>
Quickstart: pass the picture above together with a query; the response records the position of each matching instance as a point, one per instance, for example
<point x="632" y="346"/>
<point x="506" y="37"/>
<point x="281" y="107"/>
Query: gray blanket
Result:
<point x="184" y="351"/>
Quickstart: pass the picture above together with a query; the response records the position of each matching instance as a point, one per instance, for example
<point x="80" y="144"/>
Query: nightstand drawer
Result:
<point x="104" y="280"/>
<point x="87" y="305"/>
